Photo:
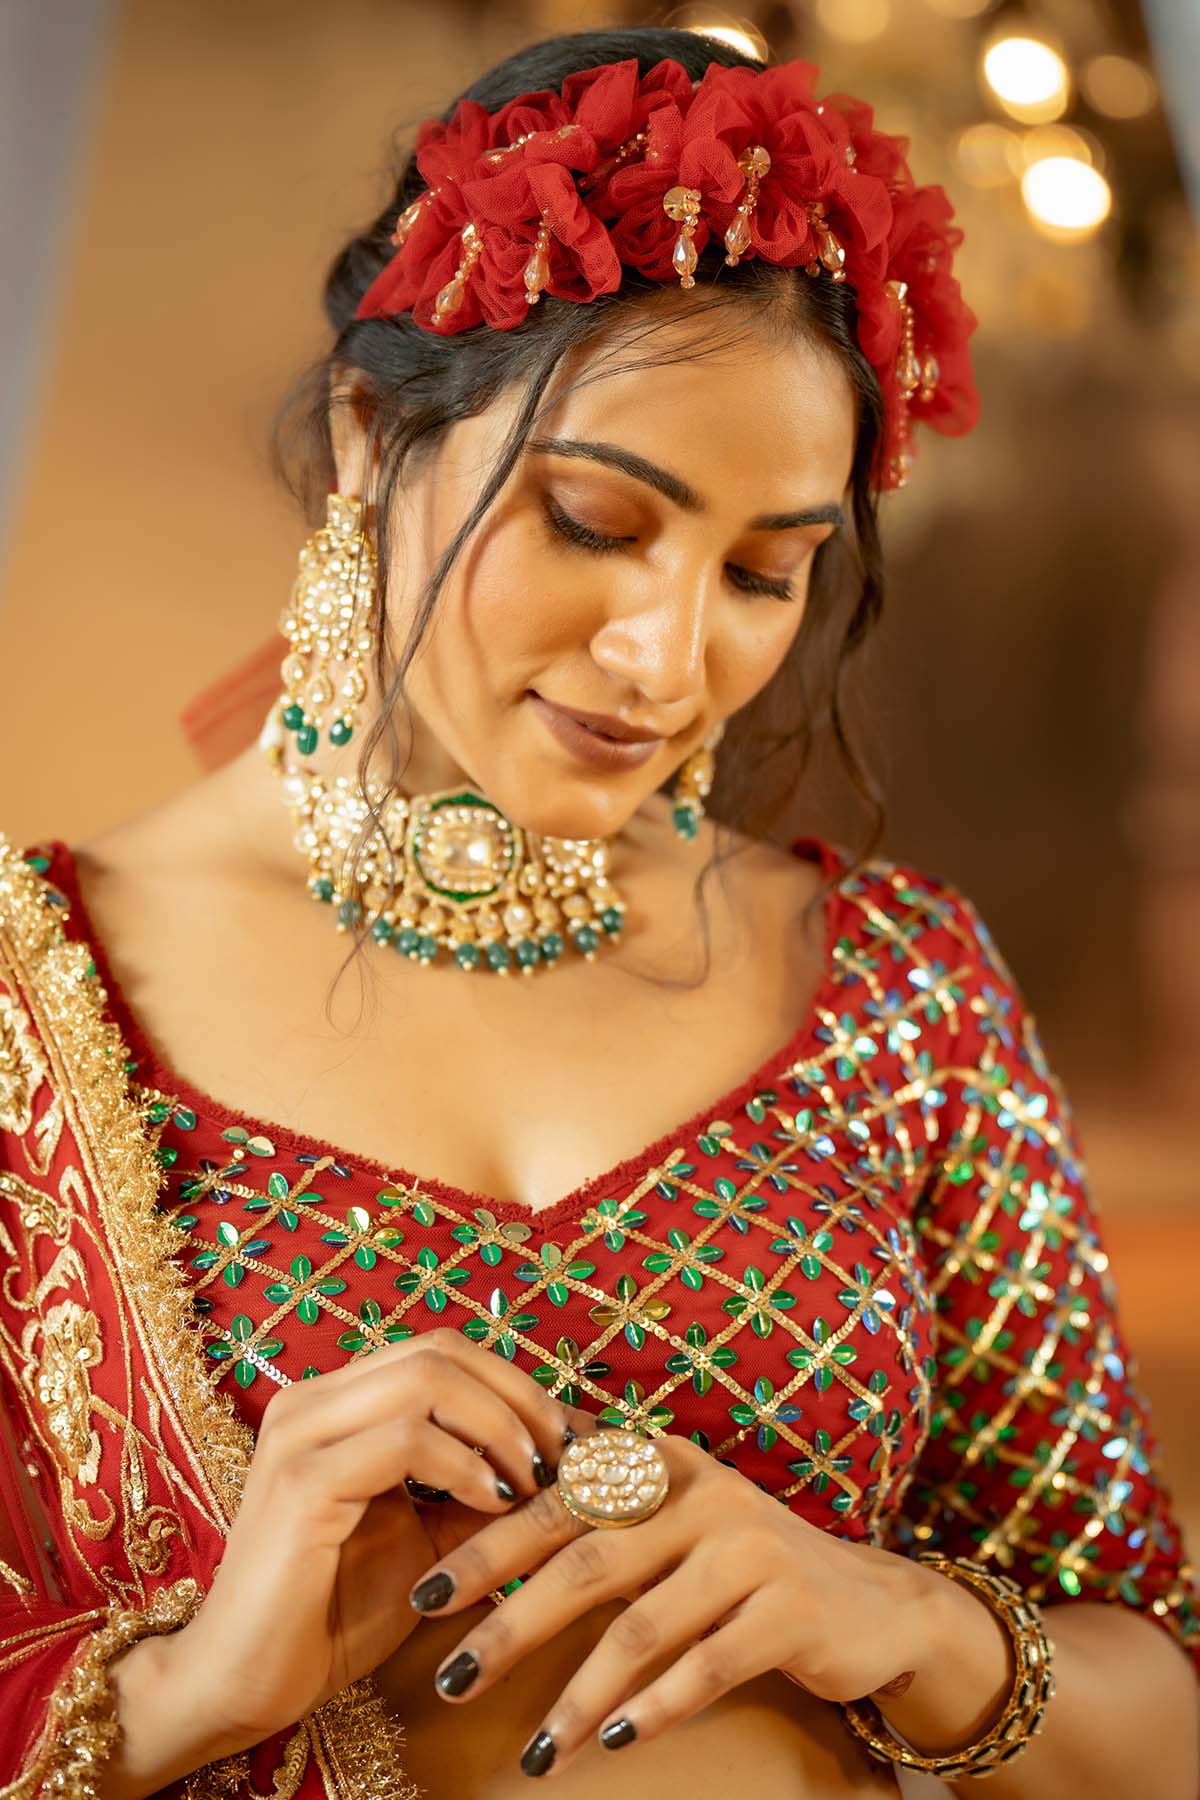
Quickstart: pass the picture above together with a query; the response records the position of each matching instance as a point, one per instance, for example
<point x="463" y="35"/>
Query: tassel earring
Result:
<point x="693" y="784"/>
<point x="329" y="620"/>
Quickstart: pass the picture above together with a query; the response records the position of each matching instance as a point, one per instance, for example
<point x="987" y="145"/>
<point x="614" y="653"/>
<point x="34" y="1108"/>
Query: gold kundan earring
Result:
<point x="329" y="622"/>
<point x="693" y="784"/>
<point x="425" y="873"/>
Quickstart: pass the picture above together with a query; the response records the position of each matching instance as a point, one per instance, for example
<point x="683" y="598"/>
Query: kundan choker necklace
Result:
<point x="446" y="877"/>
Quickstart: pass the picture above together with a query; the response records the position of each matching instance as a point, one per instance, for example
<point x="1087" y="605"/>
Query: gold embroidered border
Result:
<point x="356" y="1742"/>
<point x="81" y="1723"/>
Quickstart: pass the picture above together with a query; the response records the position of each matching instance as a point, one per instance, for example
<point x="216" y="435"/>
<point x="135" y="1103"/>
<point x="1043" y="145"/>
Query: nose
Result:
<point x="660" y="643"/>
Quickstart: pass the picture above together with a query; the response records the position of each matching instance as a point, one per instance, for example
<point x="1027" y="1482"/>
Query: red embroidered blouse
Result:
<point x="869" y="1277"/>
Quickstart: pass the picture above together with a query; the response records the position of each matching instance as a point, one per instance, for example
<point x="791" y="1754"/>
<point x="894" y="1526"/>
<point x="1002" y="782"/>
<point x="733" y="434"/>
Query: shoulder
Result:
<point x="912" y="945"/>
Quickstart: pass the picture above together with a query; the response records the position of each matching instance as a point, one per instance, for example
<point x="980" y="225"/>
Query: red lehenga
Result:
<point x="869" y="1278"/>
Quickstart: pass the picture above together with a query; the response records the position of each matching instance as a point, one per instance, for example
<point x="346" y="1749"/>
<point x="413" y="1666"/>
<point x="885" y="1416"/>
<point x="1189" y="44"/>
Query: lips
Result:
<point x="579" y="734"/>
<point x="604" y="724"/>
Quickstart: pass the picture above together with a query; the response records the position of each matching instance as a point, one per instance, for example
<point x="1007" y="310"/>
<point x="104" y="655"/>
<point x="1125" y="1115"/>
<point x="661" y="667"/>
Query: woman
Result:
<point x="809" y="1413"/>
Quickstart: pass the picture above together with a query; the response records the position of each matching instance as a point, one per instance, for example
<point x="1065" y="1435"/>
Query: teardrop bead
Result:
<point x="684" y="259"/>
<point x="536" y="274"/>
<point x="450" y="297"/>
<point x="737" y="236"/>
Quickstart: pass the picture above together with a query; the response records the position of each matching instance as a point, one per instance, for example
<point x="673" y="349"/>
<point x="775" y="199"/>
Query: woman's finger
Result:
<point x="549" y="1602"/>
<point x="736" y="1651"/>
<point x="327" y="1396"/>
<point x="536" y="1529"/>
<point x="425" y="1383"/>
<point x="373" y="1461"/>
<point x="617" y="1560"/>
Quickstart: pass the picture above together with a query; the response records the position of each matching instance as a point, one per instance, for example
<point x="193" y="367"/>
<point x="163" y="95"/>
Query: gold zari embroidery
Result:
<point x="59" y="1051"/>
<point x="81" y="1727"/>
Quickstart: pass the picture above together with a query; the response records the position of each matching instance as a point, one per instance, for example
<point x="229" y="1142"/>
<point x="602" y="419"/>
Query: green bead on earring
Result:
<point x="693" y="784"/>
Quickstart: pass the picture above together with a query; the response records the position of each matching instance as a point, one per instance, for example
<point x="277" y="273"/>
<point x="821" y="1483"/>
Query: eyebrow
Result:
<point x="665" y="481"/>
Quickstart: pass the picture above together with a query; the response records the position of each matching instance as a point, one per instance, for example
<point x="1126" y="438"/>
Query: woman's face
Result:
<point x="649" y="559"/>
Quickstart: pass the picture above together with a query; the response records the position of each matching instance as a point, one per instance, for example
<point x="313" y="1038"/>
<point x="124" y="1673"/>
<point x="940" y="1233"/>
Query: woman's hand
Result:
<point x="312" y="1591"/>
<point x="724" y="1584"/>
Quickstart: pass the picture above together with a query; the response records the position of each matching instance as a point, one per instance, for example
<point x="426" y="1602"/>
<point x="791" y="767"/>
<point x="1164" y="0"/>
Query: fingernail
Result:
<point x="458" y="1674"/>
<point x="433" y="1592"/>
<point x="569" y="1436"/>
<point x="621" y="1731"/>
<point x="505" y="1489"/>
<point x="538" y="1754"/>
<point x="420" y="1490"/>
<point x="543" y="1474"/>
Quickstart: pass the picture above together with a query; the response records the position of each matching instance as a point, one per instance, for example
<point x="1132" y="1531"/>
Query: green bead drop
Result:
<point x="322" y="888"/>
<point x="528" y="953"/>
<point x="348" y="912"/>
<point x="340" y="732"/>
<point x="551" y="946"/>
<point x="685" y="821"/>
<point x="467" y="955"/>
<point x="306" y="739"/>
<point x="406" y="941"/>
<point x="586" y="940"/>
<point x="610" y="918"/>
<point x="498" y="956"/>
<point x="293" y="716"/>
<point x="381" y="931"/>
<point x="427" y="949"/>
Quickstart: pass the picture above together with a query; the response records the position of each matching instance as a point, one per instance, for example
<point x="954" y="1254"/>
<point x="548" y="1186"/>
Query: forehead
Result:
<point x="747" y="416"/>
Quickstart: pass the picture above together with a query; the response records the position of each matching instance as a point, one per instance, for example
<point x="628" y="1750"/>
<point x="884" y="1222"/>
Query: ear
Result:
<point x="351" y="415"/>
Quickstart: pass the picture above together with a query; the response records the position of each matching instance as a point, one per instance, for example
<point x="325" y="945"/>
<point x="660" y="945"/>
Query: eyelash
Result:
<point x="583" y="537"/>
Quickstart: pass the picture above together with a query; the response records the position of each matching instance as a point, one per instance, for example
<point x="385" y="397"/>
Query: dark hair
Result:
<point x="419" y="383"/>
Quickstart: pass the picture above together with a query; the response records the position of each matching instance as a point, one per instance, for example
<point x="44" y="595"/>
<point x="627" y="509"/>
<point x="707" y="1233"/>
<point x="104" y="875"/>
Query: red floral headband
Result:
<point x="557" y="191"/>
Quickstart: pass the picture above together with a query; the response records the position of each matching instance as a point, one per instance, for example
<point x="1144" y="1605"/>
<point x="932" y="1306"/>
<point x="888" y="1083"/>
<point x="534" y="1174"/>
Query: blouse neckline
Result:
<point x="152" y="1069"/>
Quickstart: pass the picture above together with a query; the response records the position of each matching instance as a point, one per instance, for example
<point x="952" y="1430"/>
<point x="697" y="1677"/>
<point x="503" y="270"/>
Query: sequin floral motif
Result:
<point x="870" y="1279"/>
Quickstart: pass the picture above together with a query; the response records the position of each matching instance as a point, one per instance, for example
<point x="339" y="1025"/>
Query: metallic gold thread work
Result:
<point x="49" y="982"/>
<point x="81" y="1724"/>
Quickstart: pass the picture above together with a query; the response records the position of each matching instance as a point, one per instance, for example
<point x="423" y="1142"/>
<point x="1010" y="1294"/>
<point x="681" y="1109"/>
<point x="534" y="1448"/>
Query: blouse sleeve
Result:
<point x="1040" y="1458"/>
<point x="57" y="1708"/>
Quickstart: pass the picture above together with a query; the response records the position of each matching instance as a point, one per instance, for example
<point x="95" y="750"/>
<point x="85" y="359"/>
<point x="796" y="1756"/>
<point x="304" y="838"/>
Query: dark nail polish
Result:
<point x="569" y="1436"/>
<point x="621" y="1731"/>
<point x="543" y="1474"/>
<point x="420" y="1490"/>
<point x="538" y="1754"/>
<point x="505" y="1489"/>
<point x="458" y="1674"/>
<point x="433" y="1592"/>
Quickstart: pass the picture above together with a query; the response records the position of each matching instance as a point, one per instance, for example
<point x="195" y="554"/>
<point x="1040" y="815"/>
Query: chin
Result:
<point x="567" y="809"/>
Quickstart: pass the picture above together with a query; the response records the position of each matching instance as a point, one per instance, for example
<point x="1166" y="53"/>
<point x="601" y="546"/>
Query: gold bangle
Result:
<point x="1024" y="1710"/>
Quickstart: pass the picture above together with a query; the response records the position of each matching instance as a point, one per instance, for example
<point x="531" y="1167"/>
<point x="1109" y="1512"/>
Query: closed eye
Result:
<point x="565" y="529"/>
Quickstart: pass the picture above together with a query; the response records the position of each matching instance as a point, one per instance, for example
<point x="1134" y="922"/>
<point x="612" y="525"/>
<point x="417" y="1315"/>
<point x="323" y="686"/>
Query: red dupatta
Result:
<point x="135" y="1466"/>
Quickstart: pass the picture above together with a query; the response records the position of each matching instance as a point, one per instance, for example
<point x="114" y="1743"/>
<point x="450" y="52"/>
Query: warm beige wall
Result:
<point x="234" y="145"/>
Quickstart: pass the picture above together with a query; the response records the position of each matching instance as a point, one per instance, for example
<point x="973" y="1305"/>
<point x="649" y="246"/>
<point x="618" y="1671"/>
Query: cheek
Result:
<point x="515" y="609"/>
<point x="753" y="646"/>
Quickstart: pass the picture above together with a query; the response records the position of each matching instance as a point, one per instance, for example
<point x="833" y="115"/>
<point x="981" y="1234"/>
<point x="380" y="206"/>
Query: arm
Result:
<point x="1123" y="1719"/>
<point x="1040" y="1461"/>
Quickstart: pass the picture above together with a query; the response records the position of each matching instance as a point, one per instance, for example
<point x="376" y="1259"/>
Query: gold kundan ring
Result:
<point x="613" y="1477"/>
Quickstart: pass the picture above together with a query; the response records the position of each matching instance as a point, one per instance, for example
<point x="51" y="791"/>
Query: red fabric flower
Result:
<point x="574" y="161"/>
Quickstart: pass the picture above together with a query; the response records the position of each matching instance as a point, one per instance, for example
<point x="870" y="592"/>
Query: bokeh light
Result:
<point x="1042" y="141"/>
<point x="989" y="155"/>
<point x="1066" y="199"/>
<point x="1028" y="77"/>
<point x="854" y="21"/>
<point x="1118" y="87"/>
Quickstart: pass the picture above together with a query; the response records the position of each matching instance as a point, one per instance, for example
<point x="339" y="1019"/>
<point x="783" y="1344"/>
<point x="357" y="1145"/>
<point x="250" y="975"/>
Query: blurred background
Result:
<point x="176" y="174"/>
